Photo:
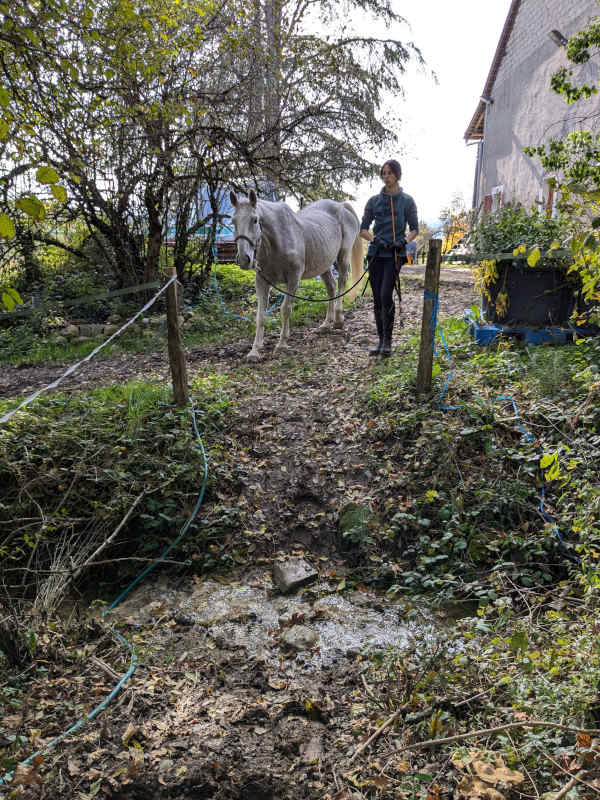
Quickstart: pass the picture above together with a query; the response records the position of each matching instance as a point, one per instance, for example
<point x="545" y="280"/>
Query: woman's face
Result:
<point x="388" y="177"/>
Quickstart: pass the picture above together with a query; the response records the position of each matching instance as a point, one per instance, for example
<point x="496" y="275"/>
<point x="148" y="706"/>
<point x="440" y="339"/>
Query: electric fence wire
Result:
<point x="7" y="778"/>
<point x="76" y="366"/>
<point x="226" y="311"/>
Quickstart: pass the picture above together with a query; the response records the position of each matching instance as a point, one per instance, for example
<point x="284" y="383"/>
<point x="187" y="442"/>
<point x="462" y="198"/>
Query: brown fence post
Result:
<point x="431" y="288"/>
<point x="176" y="351"/>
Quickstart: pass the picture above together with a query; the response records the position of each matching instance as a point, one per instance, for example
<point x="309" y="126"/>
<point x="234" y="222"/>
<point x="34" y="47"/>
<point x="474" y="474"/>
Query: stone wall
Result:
<point x="525" y="111"/>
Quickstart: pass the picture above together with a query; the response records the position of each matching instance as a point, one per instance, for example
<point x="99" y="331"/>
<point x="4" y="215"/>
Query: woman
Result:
<point x="392" y="211"/>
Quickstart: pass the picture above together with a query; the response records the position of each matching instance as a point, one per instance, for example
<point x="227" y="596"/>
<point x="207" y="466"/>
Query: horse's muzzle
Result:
<point x="244" y="261"/>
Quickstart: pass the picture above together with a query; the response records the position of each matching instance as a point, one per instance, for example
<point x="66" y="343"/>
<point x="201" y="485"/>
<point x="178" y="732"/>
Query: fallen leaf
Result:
<point x="130" y="731"/>
<point x="474" y="788"/>
<point x="74" y="767"/>
<point x="584" y="739"/>
<point x="380" y="782"/>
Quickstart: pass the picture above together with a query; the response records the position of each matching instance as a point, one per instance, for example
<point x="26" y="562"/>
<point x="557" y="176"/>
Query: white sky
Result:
<point x="458" y="40"/>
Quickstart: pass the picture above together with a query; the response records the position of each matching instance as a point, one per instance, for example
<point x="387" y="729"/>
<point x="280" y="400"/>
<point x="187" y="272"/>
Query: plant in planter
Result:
<point x="522" y="275"/>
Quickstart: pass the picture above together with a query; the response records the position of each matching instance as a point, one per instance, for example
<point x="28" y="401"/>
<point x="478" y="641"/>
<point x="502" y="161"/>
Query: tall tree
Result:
<point x="136" y="103"/>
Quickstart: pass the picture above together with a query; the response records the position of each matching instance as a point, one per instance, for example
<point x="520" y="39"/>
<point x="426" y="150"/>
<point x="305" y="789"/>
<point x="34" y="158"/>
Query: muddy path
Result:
<point x="456" y="294"/>
<point x="225" y="704"/>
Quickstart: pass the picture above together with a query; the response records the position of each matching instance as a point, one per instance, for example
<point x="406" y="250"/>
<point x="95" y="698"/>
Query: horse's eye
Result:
<point x="254" y="220"/>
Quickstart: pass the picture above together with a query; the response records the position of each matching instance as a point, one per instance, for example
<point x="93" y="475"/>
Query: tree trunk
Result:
<point x="155" y="237"/>
<point x="273" y="19"/>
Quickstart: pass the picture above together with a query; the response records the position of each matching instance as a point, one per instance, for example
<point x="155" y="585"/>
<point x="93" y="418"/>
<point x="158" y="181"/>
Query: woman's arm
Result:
<point x="366" y="221"/>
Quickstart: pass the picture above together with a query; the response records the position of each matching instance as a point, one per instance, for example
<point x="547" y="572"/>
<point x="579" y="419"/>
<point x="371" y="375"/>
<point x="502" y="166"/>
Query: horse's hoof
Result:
<point x="253" y="358"/>
<point x="339" y="325"/>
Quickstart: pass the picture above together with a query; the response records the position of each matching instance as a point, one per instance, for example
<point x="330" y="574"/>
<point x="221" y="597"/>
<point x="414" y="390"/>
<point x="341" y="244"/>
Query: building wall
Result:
<point x="525" y="110"/>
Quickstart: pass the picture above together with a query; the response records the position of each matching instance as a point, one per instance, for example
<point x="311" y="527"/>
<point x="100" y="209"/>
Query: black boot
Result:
<point x="376" y="351"/>
<point x="388" y="327"/>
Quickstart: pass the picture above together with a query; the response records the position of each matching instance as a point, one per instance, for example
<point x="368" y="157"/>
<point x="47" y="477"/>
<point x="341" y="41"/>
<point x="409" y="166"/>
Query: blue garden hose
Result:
<point x="134" y="659"/>
<point x="226" y="311"/>
<point x="435" y="324"/>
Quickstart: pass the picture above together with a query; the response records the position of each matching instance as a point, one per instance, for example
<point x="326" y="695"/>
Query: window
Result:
<point x="497" y="195"/>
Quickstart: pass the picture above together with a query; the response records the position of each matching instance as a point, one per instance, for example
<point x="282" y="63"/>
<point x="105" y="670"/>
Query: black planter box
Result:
<point x="536" y="296"/>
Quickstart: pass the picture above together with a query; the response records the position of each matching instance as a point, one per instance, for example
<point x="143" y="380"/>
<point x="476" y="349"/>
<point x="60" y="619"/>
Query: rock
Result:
<point x="109" y="329"/>
<point x="312" y="751"/>
<point x="114" y="319"/>
<point x="299" y="637"/>
<point x="91" y="330"/>
<point x="71" y="331"/>
<point x="291" y="575"/>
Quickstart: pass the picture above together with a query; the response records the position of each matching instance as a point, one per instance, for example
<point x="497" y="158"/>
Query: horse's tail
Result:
<point x="356" y="258"/>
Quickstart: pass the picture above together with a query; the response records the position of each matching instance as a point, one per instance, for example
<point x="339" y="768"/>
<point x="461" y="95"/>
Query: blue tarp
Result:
<point x="225" y="210"/>
<point x="486" y="333"/>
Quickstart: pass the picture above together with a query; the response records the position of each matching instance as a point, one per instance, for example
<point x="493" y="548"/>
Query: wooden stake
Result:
<point x="176" y="351"/>
<point x="432" y="285"/>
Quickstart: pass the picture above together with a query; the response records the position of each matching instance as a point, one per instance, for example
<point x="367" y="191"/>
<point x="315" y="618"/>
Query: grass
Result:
<point x="84" y="456"/>
<point x="211" y="318"/>
<point x="453" y="502"/>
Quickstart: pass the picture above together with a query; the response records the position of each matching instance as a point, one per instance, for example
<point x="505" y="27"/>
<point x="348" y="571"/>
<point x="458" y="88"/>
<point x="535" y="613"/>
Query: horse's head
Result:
<point x="246" y="224"/>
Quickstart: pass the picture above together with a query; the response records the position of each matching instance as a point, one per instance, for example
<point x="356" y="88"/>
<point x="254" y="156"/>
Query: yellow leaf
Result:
<point x="534" y="257"/>
<point x="7" y="227"/>
<point x="130" y="731"/>
<point x="59" y="192"/>
<point x="46" y="175"/>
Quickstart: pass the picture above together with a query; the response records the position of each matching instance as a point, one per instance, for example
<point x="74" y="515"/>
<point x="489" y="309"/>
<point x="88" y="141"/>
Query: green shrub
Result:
<point x="511" y="227"/>
<point x="84" y="457"/>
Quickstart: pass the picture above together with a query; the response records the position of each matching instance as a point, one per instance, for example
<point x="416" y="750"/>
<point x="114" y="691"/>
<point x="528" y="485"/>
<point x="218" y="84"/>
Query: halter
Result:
<point x="254" y="245"/>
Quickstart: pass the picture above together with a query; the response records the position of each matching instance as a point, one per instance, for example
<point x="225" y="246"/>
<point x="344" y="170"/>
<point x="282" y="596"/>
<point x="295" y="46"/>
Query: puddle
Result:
<point x="323" y="626"/>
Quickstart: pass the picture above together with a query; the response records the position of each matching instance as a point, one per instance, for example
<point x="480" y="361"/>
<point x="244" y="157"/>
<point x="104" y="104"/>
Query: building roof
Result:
<point x="475" y="129"/>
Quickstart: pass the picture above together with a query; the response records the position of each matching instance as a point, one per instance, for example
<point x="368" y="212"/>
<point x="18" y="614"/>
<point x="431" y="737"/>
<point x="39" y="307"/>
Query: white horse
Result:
<point x="285" y="247"/>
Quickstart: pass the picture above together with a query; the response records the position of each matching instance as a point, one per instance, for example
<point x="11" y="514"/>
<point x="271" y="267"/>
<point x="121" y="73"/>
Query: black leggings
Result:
<point x="382" y="274"/>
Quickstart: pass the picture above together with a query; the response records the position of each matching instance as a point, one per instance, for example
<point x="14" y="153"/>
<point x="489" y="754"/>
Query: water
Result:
<point x="246" y="615"/>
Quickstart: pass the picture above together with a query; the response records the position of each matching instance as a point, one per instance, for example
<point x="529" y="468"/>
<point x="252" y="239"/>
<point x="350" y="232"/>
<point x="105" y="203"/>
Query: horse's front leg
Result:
<point x="343" y="266"/>
<point x="329" y="282"/>
<point x="262" y="296"/>
<point x="286" y="310"/>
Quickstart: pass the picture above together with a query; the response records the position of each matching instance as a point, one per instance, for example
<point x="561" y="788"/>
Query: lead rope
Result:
<point x="396" y="269"/>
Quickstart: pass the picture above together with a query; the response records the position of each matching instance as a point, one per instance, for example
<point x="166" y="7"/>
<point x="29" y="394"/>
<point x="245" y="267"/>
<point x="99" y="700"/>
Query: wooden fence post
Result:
<point x="430" y="302"/>
<point x="176" y="351"/>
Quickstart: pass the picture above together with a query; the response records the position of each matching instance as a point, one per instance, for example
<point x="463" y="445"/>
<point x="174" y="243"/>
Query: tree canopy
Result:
<point x="117" y="112"/>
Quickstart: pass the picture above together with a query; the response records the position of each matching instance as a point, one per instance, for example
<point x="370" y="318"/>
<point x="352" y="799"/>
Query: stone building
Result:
<point x="517" y="106"/>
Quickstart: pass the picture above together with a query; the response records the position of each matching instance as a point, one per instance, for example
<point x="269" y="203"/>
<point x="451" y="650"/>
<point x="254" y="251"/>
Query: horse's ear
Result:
<point x="233" y="199"/>
<point x="253" y="198"/>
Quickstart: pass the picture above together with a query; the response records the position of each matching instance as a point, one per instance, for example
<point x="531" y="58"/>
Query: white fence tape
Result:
<point x="72" y="369"/>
